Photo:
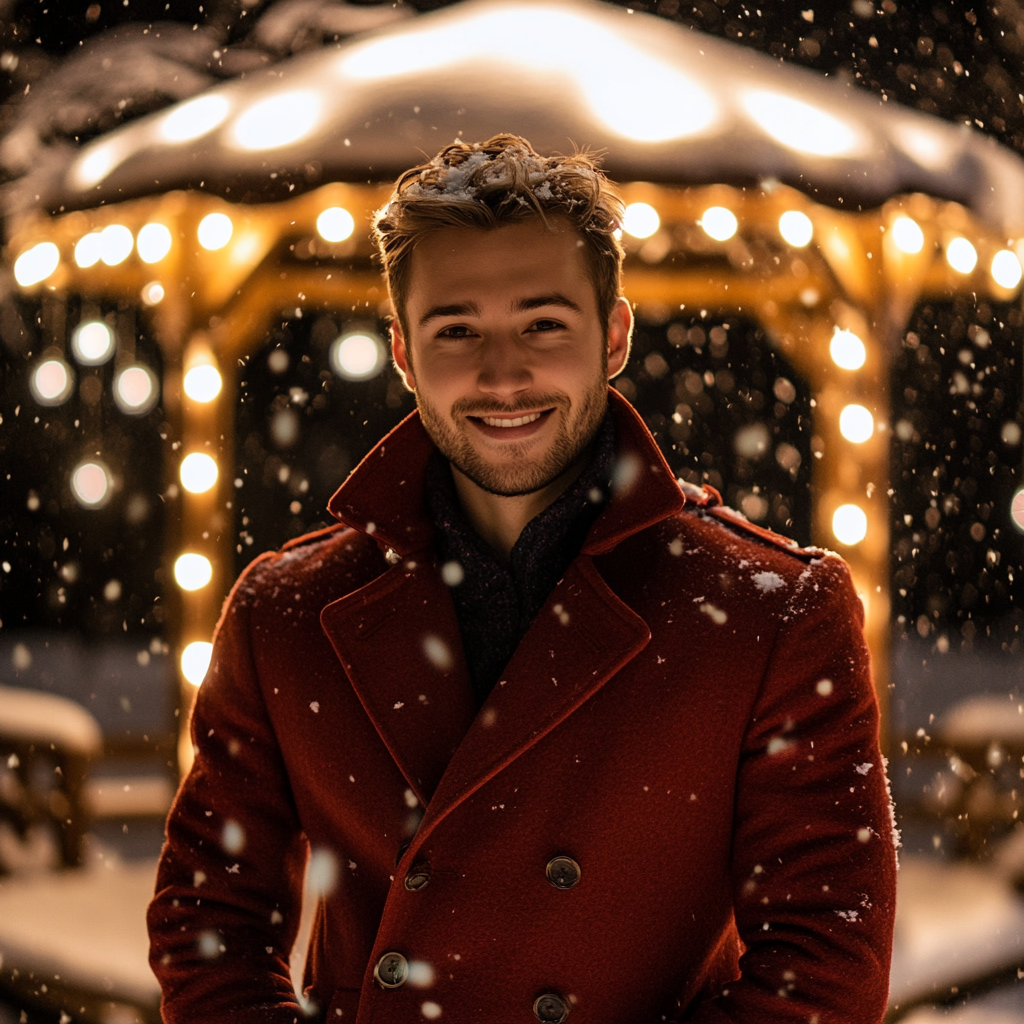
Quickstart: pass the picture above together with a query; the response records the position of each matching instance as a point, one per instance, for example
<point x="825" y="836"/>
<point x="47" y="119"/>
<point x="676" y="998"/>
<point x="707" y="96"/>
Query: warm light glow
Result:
<point x="357" y="356"/>
<point x="215" y="231"/>
<point x="154" y="242"/>
<point x="719" y="223"/>
<point x="635" y="94"/>
<point x="907" y="235"/>
<point x="198" y="472"/>
<point x="195" y="661"/>
<point x="195" y="118"/>
<point x="91" y="484"/>
<point x="335" y="224"/>
<point x="849" y="524"/>
<point x="92" y="343"/>
<point x="116" y="244"/>
<point x="796" y="228"/>
<point x="1017" y="509"/>
<point x="88" y="249"/>
<point x="847" y="350"/>
<point x="961" y="255"/>
<point x="1006" y="269"/>
<point x="641" y="220"/>
<point x="801" y="126"/>
<point x="153" y="293"/>
<point x="280" y="120"/>
<point x="36" y="264"/>
<point x="135" y="390"/>
<point x="856" y="424"/>
<point x="192" y="571"/>
<point x="94" y="165"/>
<point x="52" y="382"/>
<point x="202" y="383"/>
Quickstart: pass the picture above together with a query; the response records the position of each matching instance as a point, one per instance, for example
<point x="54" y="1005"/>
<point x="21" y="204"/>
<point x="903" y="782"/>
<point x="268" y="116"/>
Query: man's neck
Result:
<point x="499" y="520"/>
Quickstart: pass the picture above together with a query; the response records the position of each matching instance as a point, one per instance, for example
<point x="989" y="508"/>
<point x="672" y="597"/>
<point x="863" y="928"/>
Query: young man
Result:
<point x="566" y="740"/>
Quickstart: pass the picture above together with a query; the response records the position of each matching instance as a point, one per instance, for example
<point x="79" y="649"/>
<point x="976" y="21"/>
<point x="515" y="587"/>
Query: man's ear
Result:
<point x="400" y="355"/>
<point x="620" y="335"/>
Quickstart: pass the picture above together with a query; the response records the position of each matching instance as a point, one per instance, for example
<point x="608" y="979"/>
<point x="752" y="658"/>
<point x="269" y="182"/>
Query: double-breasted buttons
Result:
<point x="392" y="970"/>
<point x="418" y="877"/>
<point x="550" y="1008"/>
<point x="563" y="872"/>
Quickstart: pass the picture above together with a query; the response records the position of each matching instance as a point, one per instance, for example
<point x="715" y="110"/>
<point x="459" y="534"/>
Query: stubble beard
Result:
<point x="520" y="472"/>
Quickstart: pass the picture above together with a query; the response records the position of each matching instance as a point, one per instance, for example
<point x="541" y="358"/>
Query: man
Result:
<point x="566" y="742"/>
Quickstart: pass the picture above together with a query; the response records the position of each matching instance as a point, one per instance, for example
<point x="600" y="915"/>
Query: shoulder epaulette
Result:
<point x="312" y="538"/>
<point x="708" y="502"/>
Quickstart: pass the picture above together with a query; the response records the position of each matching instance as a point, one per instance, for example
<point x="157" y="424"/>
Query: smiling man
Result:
<point x="557" y="736"/>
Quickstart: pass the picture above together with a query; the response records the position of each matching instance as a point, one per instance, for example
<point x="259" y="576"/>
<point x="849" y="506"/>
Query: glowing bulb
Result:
<point x="961" y="255"/>
<point x="801" y="126"/>
<point x="847" y="350"/>
<point x="641" y="220"/>
<point x="52" y="382"/>
<point x="92" y="343"/>
<point x="153" y="293"/>
<point x="335" y="224"/>
<point x="195" y="118"/>
<point x="796" y="228"/>
<point x="154" y="242"/>
<point x="278" y="121"/>
<point x="195" y="661"/>
<point x="907" y="235"/>
<point x="719" y="223"/>
<point x="202" y="383"/>
<point x="198" y="472"/>
<point x="91" y="484"/>
<point x="215" y="231"/>
<point x="1017" y="509"/>
<point x="88" y="250"/>
<point x="135" y="390"/>
<point x="192" y="571"/>
<point x="856" y="424"/>
<point x="356" y="356"/>
<point x="1006" y="269"/>
<point x="849" y="524"/>
<point x="36" y="264"/>
<point x="116" y="244"/>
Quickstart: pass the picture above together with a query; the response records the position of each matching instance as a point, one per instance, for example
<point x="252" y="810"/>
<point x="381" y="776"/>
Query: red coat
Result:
<point x="690" y="719"/>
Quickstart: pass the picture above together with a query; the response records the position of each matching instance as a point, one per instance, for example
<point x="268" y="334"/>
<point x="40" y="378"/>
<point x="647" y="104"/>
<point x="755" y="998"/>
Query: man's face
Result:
<point x="506" y="352"/>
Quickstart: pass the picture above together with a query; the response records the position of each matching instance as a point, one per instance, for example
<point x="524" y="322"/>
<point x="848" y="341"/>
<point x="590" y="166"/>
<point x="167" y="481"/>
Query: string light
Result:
<point x="87" y="250"/>
<point x="847" y="350"/>
<point x="135" y="390"/>
<point x="356" y="356"/>
<point x="856" y="424"/>
<point x="719" y="223"/>
<point x="116" y="244"/>
<point x="907" y="235"/>
<point x="1006" y="269"/>
<point x="335" y="224"/>
<point x="961" y="255"/>
<point x="796" y="228"/>
<point x="192" y="571"/>
<point x="198" y="472"/>
<point x="202" y="383"/>
<point x="92" y="343"/>
<point x="51" y="382"/>
<point x="91" y="484"/>
<point x="849" y="524"/>
<point x="36" y="264"/>
<point x="154" y="242"/>
<point x="215" y="231"/>
<point x="195" y="661"/>
<point x="640" y="220"/>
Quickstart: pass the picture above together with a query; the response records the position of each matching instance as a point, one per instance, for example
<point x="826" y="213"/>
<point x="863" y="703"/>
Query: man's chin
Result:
<point x="508" y="483"/>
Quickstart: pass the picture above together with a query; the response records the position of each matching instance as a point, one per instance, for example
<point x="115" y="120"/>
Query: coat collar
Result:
<point x="385" y="494"/>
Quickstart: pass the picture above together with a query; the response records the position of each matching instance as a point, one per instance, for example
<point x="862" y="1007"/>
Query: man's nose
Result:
<point x="505" y="366"/>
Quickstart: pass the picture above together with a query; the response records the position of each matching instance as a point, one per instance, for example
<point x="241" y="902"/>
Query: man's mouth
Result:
<point x="518" y="421"/>
<point x="515" y="427"/>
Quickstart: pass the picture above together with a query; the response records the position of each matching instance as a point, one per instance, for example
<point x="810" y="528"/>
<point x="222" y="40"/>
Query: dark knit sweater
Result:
<point x="496" y="603"/>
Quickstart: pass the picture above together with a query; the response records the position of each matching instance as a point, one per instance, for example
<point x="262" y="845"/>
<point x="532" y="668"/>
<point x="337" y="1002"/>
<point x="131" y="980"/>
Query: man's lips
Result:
<point x="511" y="427"/>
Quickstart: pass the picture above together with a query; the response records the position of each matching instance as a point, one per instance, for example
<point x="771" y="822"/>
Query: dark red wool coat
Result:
<point x="690" y="718"/>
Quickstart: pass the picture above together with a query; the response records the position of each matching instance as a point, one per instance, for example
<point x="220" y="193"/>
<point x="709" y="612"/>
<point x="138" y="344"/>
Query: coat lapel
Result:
<point x="580" y="639"/>
<point x="398" y="640"/>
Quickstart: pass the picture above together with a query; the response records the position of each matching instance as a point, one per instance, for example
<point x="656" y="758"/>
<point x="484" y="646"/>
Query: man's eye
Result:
<point x="546" y="325"/>
<point x="457" y="331"/>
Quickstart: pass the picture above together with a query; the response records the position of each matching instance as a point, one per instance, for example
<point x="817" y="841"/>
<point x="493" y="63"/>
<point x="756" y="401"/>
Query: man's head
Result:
<point x="504" y="270"/>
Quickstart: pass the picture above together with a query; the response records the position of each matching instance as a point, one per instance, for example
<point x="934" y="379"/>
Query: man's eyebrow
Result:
<point x="536" y="302"/>
<point x="453" y="309"/>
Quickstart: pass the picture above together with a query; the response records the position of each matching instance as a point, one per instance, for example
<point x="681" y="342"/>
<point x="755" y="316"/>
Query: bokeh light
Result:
<point x="202" y="383"/>
<point x="1006" y="269"/>
<point x="640" y="220"/>
<point x="357" y="356"/>
<point x="847" y="350"/>
<point x="1017" y="509"/>
<point x="36" y="264"/>
<point x="195" y="661"/>
<point x="88" y="250"/>
<point x="907" y="235"/>
<point x="92" y="343"/>
<point x="152" y="294"/>
<point x="195" y="118"/>
<point x="198" y="472"/>
<point x="335" y="224"/>
<point x="154" y="242"/>
<point x="961" y="255"/>
<point x="856" y="424"/>
<point x="849" y="524"/>
<point x="51" y="382"/>
<point x="719" y="223"/>
<point x="278" y="121"/>
<point x="91" y="484"/>
<point x="135" y="390"/>
<point x="116" y="244"/>
<point x="214" y="231"/>
<point x="192" y="571"/>
<point x="796" y="228"/>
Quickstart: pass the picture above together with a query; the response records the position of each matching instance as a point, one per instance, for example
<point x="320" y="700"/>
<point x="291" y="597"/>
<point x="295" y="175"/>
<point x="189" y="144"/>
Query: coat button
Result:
<point x="392" y="970"/>
<point x="551" y="1008"/>
<point x="417" y="878"/>
<point x="563" y="872"/>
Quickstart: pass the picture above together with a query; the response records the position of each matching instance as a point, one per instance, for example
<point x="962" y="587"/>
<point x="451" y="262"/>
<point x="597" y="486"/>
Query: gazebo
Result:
<point x="820" y="211"/>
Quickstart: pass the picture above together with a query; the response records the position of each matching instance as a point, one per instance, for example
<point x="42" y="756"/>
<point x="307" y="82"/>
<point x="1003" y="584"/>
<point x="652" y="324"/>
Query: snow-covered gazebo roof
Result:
<point x="668" y="104"/>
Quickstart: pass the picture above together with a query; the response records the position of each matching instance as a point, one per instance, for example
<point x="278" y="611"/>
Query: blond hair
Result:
<point x="502" y="181"/>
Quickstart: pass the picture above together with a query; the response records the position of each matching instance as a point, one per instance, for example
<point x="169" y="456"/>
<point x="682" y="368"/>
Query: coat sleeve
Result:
<point x="814" y="853"/>
<point x="228" y="889"/>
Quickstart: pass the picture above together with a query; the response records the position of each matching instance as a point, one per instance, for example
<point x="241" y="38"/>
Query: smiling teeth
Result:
<point x="519" y="421"/>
